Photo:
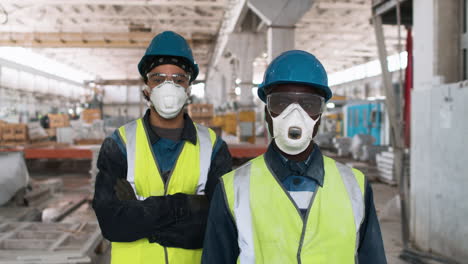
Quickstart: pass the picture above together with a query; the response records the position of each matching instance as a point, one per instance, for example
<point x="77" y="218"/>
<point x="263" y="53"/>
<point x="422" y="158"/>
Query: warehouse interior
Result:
<point x="397" y="68"/>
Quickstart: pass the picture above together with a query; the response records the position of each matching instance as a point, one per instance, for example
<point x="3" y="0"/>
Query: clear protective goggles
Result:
<point x="312" y="104"/>
<point x="157" y="78"/>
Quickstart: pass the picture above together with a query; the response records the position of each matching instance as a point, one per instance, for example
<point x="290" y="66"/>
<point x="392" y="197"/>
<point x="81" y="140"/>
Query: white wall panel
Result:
<point x="439" y="177"/>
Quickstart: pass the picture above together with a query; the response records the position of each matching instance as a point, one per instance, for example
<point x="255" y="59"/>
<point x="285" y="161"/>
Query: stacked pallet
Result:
<point x="2" y="123"/>
<point x="369" y="152"/>
<point x="385" y="165"/>
<point x="13" y="134"/>
<point x="34" y="242"/>
<point x="201" y="113"/>
<point x="343" y="146"/>
<point x="385" y="161"/>
<point x="36" y="132"/>
<point x="357" y="144"/>
<point x="230" y="123"/>
<point x="89" y="115"/>
<point x="58" y="120"/>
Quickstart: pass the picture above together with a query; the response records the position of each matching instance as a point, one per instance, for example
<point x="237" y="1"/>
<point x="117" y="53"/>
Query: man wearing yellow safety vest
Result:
<point x="292" y="204"/>
<point x="158" y="173"/>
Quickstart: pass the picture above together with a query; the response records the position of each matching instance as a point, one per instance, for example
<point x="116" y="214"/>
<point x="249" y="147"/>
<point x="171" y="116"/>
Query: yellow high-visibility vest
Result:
<point x="271" y="228"/>
<point x="189" y="176"/>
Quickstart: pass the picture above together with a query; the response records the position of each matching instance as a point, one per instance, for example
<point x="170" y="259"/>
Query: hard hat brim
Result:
<point x="262" y="94"/>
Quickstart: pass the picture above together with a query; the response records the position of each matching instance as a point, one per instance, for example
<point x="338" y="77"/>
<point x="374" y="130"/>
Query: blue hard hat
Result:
<point x="168" y="43"/>
<point x="295" y="66"/>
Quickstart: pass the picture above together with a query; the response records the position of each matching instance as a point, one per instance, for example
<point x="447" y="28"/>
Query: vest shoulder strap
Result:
<point x="206" y="142"/>
<point x="354" y="184"/>
<point x="242" y="212"/>
<point x="128" y="135"/>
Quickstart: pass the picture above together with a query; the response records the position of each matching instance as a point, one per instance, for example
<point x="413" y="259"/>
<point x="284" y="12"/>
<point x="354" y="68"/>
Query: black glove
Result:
<point x="188" y="231"/>
<point x="124" y="190"/>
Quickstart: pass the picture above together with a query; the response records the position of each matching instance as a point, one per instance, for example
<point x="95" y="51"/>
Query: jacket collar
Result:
<point x="189" y="132"/>
<point x="280" y="165"/>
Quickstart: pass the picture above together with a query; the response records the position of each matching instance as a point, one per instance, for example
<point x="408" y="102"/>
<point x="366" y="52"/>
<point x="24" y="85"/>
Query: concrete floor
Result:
<point x="386" y="205"/>
<point x="390" y="223"/>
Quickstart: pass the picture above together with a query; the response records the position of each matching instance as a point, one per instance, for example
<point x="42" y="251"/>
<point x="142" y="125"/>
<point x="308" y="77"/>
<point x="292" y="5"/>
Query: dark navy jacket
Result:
<point x="221" y="244"/>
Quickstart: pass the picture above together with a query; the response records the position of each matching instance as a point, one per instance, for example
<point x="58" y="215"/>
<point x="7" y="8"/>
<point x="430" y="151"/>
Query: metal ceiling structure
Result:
<point x="106" y="38"/>
<point x="340" y="33"/>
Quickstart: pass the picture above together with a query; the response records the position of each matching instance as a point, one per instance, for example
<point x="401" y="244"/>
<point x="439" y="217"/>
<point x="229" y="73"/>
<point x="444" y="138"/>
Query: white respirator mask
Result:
<point x="168" y="99"/>
<point x="292" y="129"/>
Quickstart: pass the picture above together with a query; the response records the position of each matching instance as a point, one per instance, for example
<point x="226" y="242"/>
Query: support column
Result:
<point x="436" y="130"/>
<point x="279" y="39"/>
<point x="280" y="16"/>
<point x="437" y="49"/>
<point x="246" y="47"/>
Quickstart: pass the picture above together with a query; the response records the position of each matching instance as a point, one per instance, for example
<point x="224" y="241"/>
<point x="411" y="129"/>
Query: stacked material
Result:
<point x="88" y="116"/>
<point x="385" y="161"/>
<point x="358" y="142"/>
<point x="201" y="113"/>
<point x="13" y="133"/>
<point x="83" y="130"/>
<point x="343" y="146"/>
<point x="2" y="124"/>
<point x="113" y="123"/>
<point x="325" y="140"/>
<point x="65" y="135"/>
<point x="32" y="242"/>
<point x="246" y="126"/>
<point x="14" y="175"/>
<point x="58" y="120"/>
<point x="230" y="123"/>
<point x="369" y="152"/>
<point x="36" y="131"/>
<point x="385" y="165"/>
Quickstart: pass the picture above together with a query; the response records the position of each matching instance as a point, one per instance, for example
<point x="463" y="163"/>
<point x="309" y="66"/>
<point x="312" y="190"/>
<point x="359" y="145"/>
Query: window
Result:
<point x="375" y="118"/>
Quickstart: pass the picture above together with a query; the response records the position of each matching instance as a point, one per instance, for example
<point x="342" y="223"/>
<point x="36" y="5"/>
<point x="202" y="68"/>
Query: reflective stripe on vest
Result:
<point x="257" y="246"/>
<point x="130" y="134"/>
<point x="206" y="150"/>
<point x="189" y="176"/>
<point x="243" y="214"/>
<point x="355" y="195"/>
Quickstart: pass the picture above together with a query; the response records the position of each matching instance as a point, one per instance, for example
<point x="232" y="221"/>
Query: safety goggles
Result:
<point x="311" y="103"/>
<point x="156" y="78"/>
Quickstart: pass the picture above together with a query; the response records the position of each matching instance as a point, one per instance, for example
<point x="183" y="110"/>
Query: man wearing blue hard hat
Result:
<point x="157" y="174"/>
<point x="292" y="204"/>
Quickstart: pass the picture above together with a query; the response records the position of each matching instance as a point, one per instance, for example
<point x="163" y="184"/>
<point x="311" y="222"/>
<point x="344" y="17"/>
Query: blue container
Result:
<point x="365" y="118"/>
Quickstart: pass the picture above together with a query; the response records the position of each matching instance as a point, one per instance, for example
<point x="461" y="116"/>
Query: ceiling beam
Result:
<point x="125" y="82"/>
<point x="163" y="17"/>
<point x="218" y="3"/>
<point x="342" y="5"/>
<point x="85" y="40"/>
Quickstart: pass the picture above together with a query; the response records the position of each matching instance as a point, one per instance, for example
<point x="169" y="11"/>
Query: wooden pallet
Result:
<point x="97" y="141"/>
<point x="58" y="120"/>
<point x="14" y="132"/>
<point x="201" y="110"/>
<point x="14" y="143"/>
<point x="89" y="115"/>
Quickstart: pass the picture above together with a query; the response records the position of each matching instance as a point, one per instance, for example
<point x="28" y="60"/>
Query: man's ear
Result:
<point x="146" y="93"/>
<point x="189" y="90"/>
